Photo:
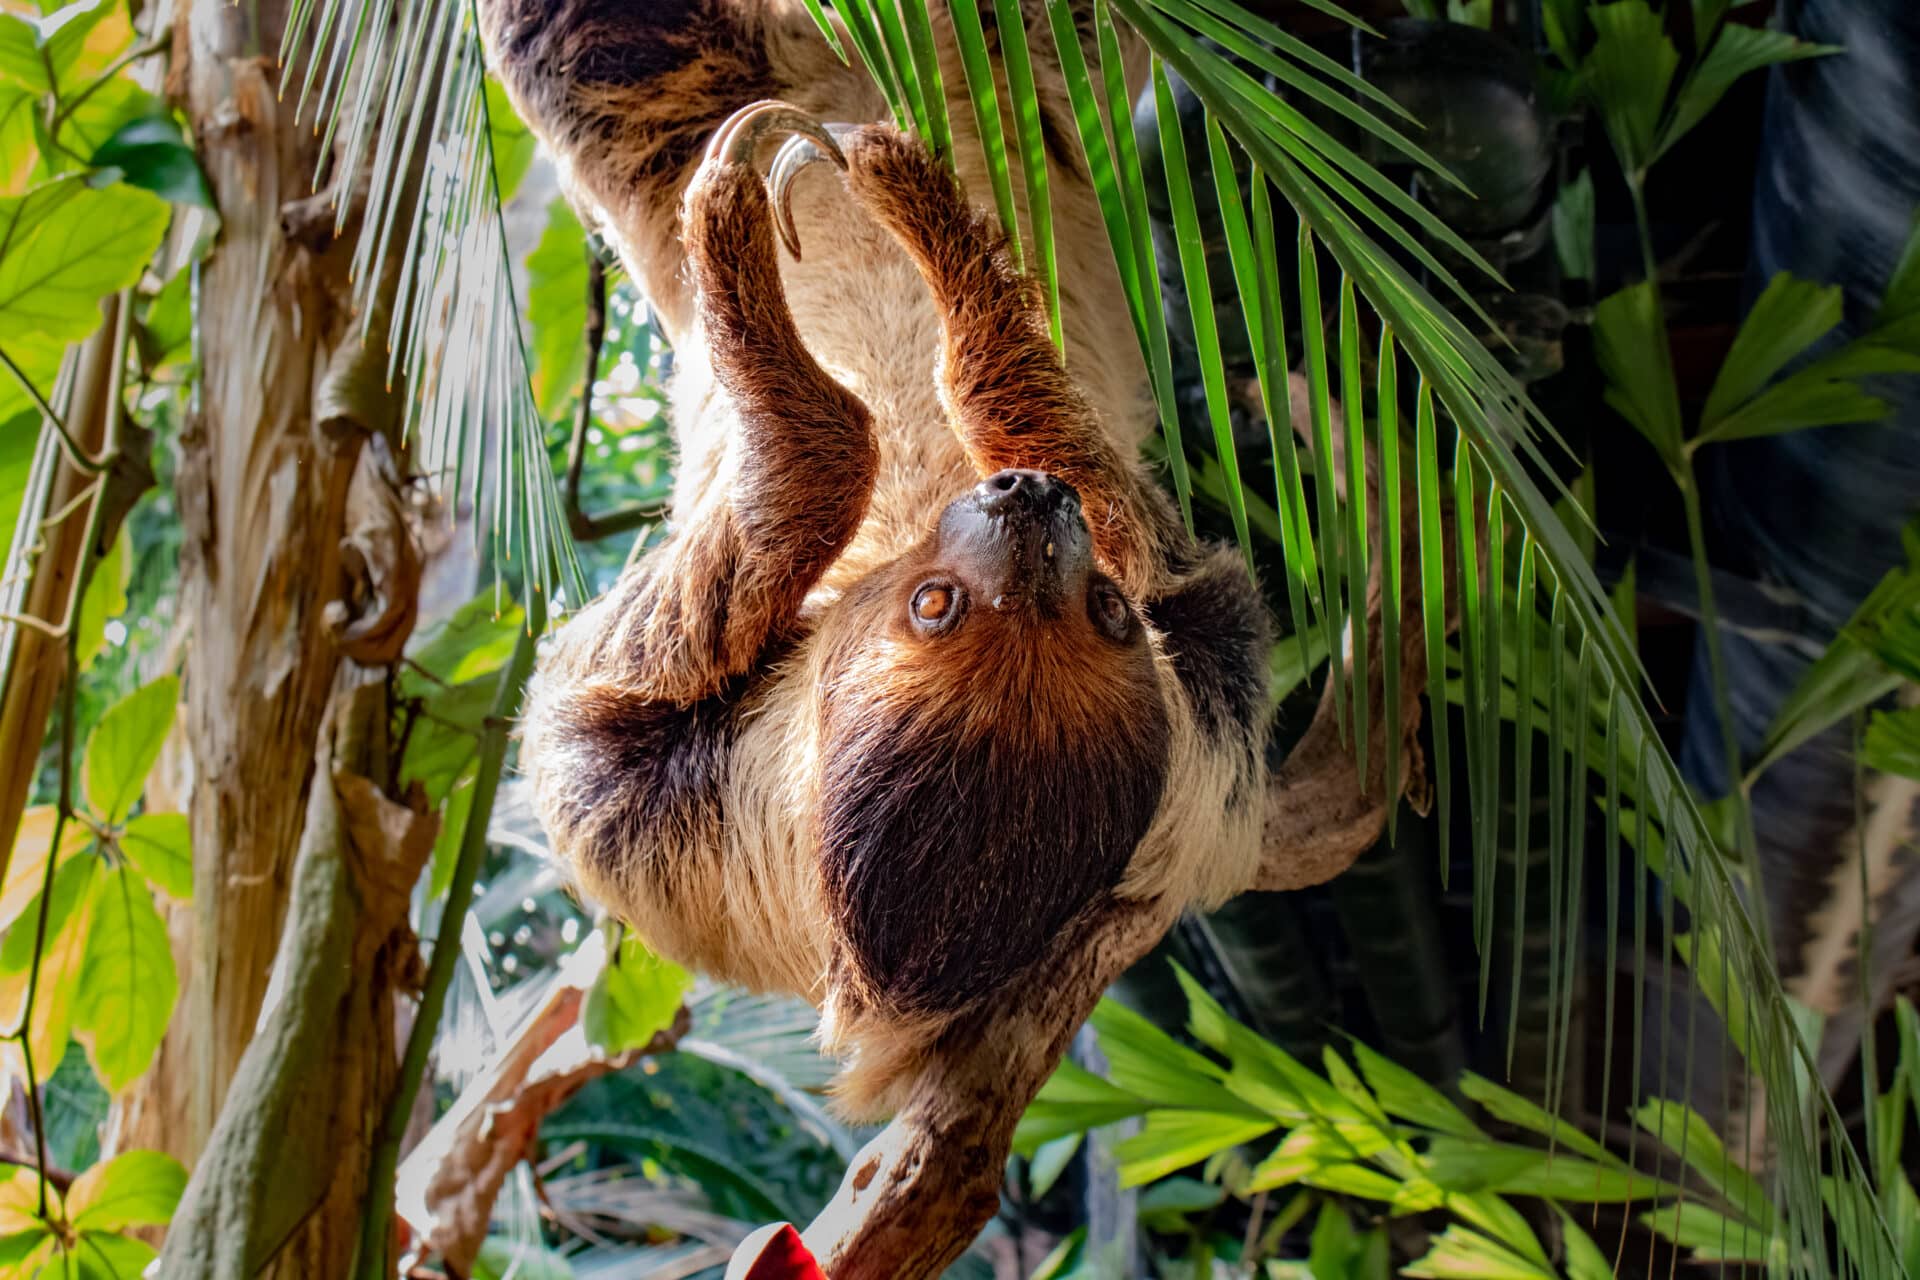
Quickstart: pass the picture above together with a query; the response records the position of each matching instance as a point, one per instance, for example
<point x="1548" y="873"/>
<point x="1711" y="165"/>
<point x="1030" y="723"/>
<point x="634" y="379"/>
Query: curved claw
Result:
<point x="795" y="154"/>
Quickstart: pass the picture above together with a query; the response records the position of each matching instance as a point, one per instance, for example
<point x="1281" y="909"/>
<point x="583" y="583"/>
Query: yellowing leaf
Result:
<point x="27" y="868"/>
<point x="69" y="913"/>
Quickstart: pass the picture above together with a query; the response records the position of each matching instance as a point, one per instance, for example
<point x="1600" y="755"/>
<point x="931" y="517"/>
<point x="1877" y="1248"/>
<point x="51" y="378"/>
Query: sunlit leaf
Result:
<point x="68" y="926"/>
<point x="153" y="154"/>
<point x="134" y="1189"/>
<point x="557" y="310"/>
<point x="105" y="598"/>
<point x="27" y="867"/>
<point x="128" y="985"/>
<point x="1171" y="1140"/>
<point x="160" y="847"/>
<point x="124" y="745"/>
<point x="635" y="997"/>
<point x="1460" y="1254"/>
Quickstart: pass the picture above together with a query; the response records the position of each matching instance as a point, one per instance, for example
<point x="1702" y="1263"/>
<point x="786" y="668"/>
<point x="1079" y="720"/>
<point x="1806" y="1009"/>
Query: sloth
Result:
<point x="928" y="708"/>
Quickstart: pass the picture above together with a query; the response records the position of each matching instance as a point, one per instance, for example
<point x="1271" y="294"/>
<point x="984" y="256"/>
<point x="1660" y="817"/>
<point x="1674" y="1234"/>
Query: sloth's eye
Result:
<point x="1110" y="612"/>
<point x="935" y="606"/>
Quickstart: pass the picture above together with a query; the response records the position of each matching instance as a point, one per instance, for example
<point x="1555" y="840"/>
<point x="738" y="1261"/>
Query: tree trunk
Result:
<point x="262" y="494"/>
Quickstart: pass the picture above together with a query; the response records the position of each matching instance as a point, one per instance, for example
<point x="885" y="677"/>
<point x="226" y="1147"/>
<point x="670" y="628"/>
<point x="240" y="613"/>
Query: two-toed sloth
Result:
<point x="927" y="671"/>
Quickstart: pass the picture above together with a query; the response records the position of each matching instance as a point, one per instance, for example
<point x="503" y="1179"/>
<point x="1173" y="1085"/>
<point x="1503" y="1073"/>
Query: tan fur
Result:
<point x="826" y="411"/>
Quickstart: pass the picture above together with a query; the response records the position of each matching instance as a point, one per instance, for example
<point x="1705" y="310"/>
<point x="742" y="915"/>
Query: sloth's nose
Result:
<point x="1017" y="491"/>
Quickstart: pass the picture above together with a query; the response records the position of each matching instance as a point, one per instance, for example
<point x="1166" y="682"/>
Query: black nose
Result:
<point x="1018" y="491"/>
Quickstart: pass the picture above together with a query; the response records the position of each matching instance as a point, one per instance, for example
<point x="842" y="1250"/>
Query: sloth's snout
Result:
<point x="1018" y="492"/>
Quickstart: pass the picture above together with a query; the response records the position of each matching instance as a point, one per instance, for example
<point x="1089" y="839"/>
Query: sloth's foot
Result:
<point x="738" y="140"/>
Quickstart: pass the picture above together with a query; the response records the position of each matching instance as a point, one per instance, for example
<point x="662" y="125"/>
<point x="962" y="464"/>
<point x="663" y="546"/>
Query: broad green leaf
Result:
<point x="1712" y="1235"/>
<point x="42" y="52"/>
<point x="166" y="333"/>
<point x="1506" y="1105"/>
<point x="69" y="923"/>
<point x="1459" y="1164"/>
<point x="160" y="847"/>
<point x="1350" y="1179"/>
<point x="557" y="311"/>
<point x="124" y="745"/>
<point x="1821" y="395"/>
<point x="93" y="122"/>
<point x="106" y="1256"/>
<point x="1630" y="341"/>
<point x="1893" y="742"/>
<point x="1406" y="1095"/>
<point x="475" y="641"/>
<point x="446" y="845"/>
<point x="153" y="154"/>
<point x="1332" y="1245"/>
<point x="106" y="597"/>
<point x="1147" y="1062"/>
<point x="27" y="867"/>
<point x="502" y="1259"/>
<point x="1686" y="1133"/>
<point x="63" y="247"/>
<point x="1735" y="52"/>
<point x="513" y="144"/>
<point x="134" y="1189"/>
<point x="635" y="997"/>
<point x="128" y="985"/>
<point x="1788" y="317"/>
<point x="1049" y="1161"/>
<point x="1072" y="1101"/>
<point x="1171" y="1140"/>
<point x="1171" y="1199"/>
<point x="1573" y="227"/>
<point x="19" y="440"/>
<point x="1583" y="1259"/>
<point x="1627" y="72"/>
<point x="1460" y="1254"/>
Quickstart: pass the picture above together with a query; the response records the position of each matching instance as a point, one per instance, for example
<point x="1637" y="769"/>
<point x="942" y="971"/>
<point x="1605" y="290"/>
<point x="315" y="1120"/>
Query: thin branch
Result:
<point x="377" y="1220"/>
<point x="75" y="454"/>
<point x="584" y="527"/>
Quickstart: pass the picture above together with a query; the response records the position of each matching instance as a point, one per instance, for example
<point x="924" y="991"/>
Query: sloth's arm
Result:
<point x="789" y="494"/>
<point x="1006" y="391"/>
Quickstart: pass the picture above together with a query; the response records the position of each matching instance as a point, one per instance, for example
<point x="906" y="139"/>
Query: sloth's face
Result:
<point x="994" y="744"/>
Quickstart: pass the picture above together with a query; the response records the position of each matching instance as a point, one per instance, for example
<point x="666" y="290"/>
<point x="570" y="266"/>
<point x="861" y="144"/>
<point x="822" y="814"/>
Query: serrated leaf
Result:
<point x="123" y="747"/>
<point x="557" y="310"/>
<point x="134" y="1189"/>
<point x="160" y="846"/>
<point x="153" y="154"/>
<point x="69" y="922"/>
<point x="635" y="997"/>
<point x="128" y="985"/>
<point x="106" y="597"/>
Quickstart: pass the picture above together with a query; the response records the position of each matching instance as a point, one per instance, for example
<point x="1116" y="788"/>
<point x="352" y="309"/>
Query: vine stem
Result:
<point x="383" y="1167"/>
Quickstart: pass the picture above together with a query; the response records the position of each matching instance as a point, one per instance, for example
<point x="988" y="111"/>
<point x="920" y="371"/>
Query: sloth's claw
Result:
<point x="735" y="142"/>
<point x="795" y="154"/>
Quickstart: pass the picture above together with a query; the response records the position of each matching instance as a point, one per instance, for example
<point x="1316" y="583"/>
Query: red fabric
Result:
<point x="774" y="1253"/>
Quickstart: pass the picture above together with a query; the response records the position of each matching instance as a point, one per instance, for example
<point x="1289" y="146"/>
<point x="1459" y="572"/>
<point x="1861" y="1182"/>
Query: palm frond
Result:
<point x="401" y="88"/>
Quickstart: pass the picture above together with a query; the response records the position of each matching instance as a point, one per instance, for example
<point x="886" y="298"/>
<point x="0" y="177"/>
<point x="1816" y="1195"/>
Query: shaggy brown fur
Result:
<point x="861" y="729"/>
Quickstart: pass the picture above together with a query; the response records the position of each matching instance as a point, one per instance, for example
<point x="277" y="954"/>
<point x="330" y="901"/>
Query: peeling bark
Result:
<point x="278" y="1189"/>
